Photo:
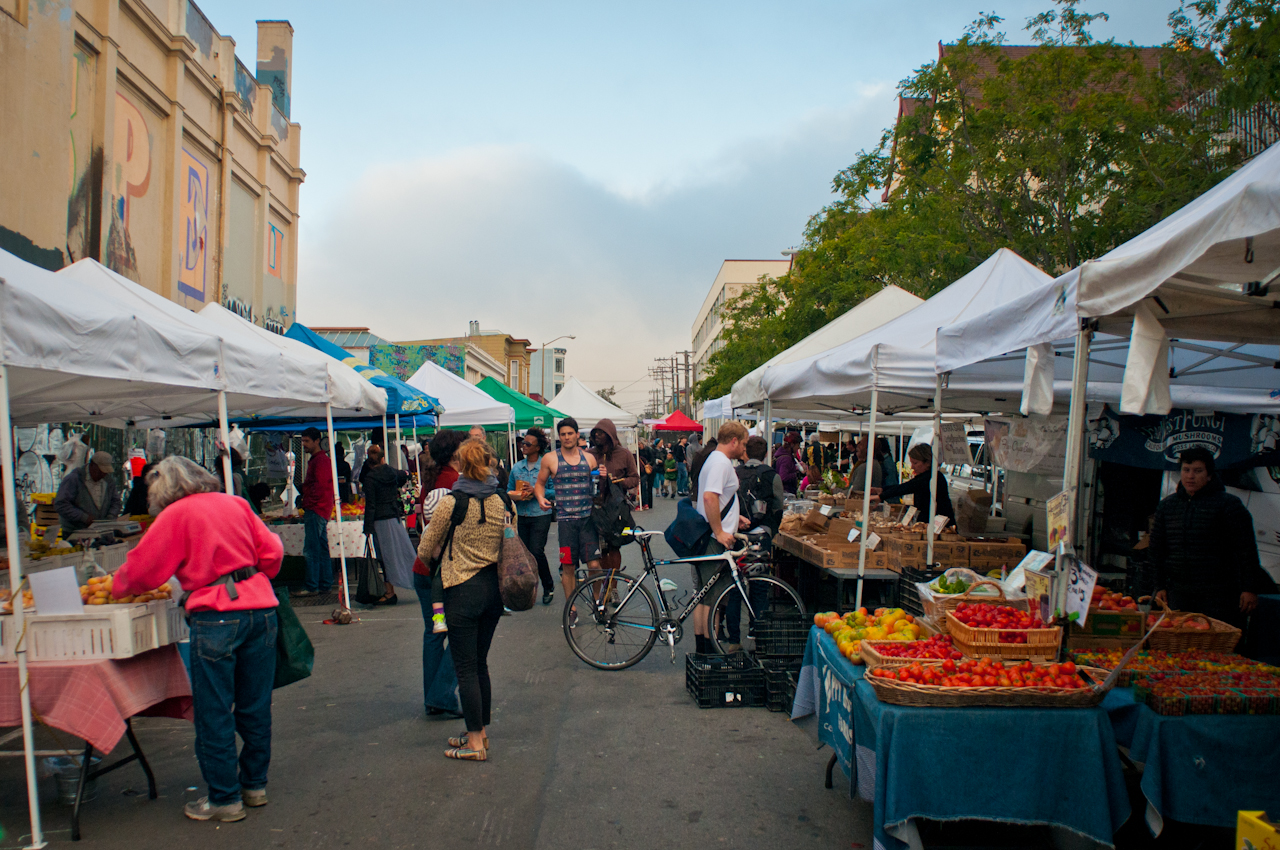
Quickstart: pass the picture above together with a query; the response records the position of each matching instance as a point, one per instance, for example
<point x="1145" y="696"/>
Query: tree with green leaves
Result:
<point x="1060" y="150"/>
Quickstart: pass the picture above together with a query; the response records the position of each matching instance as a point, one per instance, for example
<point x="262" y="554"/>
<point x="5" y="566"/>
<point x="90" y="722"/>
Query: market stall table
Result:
<point x="350" y="531"/>
<point x="95" y="701"/>
<point x="1048" y="766"/>
<point x="812" y="556"/>
<point x="1199" y="769"/>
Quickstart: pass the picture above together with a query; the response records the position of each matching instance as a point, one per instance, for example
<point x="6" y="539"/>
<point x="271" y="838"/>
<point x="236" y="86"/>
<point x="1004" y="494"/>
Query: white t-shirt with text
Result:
<point x="718" y="476"/>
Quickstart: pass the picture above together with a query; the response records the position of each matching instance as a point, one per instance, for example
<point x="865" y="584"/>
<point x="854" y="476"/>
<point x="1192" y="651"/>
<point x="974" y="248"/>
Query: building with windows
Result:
<point x="511" y="352"/>
<point x="135" y="136"/>
<point x="548" y="375"/>
<point x="734" y="278"/>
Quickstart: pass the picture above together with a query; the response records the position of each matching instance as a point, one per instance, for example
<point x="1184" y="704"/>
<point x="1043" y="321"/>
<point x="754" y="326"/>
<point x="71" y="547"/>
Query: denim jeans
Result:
<point x="315" y="548"/>
<point x="733" y="609"/>
<point x="533" y="532"/>
<point x="472" y="610"/>
<point x="233" y="668"/>
<point x="682" y="478"/>
<point x="439" y="682"/>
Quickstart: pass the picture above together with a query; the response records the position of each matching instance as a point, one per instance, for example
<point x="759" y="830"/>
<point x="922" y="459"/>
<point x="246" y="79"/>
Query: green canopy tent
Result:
<point x="529" y="413"/>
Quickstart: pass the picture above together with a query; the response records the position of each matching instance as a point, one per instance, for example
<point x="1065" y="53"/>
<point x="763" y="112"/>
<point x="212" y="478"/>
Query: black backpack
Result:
<point x="461" y="501"/>
<point x="756" y="483"/>
<point x="611" y="515"/>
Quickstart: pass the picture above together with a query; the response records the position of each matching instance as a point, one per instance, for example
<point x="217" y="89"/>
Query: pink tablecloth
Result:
<point x="92" y="699"/>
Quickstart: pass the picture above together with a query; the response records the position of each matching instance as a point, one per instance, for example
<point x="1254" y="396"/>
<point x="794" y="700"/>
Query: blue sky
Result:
<point x="551" y="168"/>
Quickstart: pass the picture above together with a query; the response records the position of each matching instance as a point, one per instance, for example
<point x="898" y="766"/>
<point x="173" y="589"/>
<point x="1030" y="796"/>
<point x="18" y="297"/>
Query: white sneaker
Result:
<point x="202" y="809"/>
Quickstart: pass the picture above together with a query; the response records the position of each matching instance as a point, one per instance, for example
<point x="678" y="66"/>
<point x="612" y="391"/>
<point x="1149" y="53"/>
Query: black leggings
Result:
<point x="646" y="491"/>
<point x="472" y="611"/>
<point x="533" y="532"/>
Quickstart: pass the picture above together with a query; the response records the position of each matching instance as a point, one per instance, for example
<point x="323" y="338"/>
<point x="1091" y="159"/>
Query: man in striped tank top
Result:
<point x="572" y="469"/>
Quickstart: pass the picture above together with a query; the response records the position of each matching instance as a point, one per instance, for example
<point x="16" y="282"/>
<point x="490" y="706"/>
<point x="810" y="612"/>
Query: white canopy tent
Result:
<point x="576" y="399"/>
<point x="722" y="408"/>
<point x="891" y="368"/>
<point x="1192" y="294"/>
<point x="104" y="351"/>
<point x="464" y="403"/>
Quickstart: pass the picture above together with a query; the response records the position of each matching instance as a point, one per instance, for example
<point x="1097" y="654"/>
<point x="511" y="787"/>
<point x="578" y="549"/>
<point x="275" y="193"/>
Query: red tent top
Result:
<point x="676" y="421"/>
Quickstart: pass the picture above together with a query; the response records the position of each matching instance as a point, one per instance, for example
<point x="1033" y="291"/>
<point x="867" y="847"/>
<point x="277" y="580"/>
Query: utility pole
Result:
<point x="688" y="385"/>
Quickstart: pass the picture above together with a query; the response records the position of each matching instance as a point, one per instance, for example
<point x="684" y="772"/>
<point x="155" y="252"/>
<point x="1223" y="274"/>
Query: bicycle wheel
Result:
<point x="730" y="620"/>
<point x="612" y="630"/>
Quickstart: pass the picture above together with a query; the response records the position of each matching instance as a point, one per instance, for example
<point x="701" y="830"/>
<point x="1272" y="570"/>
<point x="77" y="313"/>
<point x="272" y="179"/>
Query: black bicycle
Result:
<point x="612" y="620"/>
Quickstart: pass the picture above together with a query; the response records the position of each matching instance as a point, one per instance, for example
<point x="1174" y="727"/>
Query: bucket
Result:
<point x="66" y="776"/>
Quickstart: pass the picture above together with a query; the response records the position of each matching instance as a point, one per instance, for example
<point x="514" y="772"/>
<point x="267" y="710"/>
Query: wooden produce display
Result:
<point x="951" y="684"/>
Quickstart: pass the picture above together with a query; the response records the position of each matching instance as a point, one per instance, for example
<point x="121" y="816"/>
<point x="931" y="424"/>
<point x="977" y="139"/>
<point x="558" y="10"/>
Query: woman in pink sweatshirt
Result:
<point x="225" y="558"/>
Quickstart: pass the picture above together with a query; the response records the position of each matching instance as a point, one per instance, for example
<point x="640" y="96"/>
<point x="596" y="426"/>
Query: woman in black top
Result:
<point x="921" y="457"/>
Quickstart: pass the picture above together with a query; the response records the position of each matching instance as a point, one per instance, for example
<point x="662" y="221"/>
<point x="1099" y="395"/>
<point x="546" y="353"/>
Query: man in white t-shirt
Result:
<point x="717" y="502"/>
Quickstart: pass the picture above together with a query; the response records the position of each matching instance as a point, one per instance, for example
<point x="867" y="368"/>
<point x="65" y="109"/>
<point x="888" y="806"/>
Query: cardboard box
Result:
<point x="815" y="522"/>
<point x="905" y="547"/>
<point x="951" y="554"/>
<point x="838" y="530"/>
<point x="1009" y="551"/>
<point x="1255" y="830"/>
<point x="1113" y="623"/>
<point x="983" y="566"/>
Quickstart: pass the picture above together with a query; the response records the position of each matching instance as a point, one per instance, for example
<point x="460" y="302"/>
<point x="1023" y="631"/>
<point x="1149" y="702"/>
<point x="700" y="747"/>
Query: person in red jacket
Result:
<point x="317" y="510"/>
<point x="225" y="558"/>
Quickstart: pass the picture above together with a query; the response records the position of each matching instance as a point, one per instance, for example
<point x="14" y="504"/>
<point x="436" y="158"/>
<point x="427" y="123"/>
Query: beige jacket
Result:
<point x="476" y="545"/>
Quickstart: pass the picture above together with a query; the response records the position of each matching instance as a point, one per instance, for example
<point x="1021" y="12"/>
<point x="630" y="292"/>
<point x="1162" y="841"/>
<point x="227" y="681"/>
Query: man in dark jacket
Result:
<point x="1203" y="546"/>
<point x="617" y="462"/>
<point x="88" y="494"/>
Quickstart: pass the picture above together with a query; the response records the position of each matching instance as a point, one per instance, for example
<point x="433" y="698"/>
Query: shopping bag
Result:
<point x="294" y="653"/>
<point x="369" y="586"/>
<point x="517" y="572"/>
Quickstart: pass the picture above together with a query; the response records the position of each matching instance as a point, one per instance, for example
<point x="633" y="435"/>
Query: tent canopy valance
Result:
<point x="676" y="421"/>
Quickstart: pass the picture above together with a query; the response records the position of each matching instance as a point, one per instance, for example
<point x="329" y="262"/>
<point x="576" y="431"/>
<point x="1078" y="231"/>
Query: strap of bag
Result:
<point x="228" y="581"/>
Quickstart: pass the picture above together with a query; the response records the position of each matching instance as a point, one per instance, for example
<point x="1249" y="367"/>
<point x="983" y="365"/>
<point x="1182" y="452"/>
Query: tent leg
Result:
<point x="15" y="582"/>
<point x="933" y="470"/>
<point x="866" y="496"/>
<point x="1075" y="438"/>
<point x="398" y="460"/>
<point x="230" y="486"/>
<point x="768" y="429"/>
<point x="337" y="502"/>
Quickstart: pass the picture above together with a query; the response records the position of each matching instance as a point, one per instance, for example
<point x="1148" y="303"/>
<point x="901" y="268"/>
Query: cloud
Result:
<point x="523" y="243"/>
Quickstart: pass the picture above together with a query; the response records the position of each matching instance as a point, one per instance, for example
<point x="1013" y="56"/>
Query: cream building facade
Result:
<point x="734" y="278"/>
<point x="133" y="134"/>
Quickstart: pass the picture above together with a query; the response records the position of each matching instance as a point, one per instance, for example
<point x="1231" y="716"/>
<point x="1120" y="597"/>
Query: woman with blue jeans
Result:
<point x="225" y="557"/>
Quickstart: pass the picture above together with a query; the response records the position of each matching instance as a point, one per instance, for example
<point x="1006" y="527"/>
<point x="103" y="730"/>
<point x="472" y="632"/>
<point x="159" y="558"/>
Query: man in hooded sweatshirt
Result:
<point x="616" y="461"/>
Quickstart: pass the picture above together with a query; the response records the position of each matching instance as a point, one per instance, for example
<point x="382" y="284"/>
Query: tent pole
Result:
<point x="768" y="429"/>
<point x="933" y="471"/>
<point x="1075" y="438"/>
<point x="337" y="502"/>
<point x="15" y="582"/>
<point x="229" y="485"/>
<point x="866" y="498"/>
<point x="398" y="461"/>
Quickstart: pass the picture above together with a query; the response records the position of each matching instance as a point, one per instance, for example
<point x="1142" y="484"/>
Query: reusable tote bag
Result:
<point x="517" y="572"/>
<point x="294" y="653"/>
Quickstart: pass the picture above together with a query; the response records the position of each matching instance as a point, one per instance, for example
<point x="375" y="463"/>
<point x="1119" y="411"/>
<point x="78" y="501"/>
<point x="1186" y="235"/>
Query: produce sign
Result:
<point x="849" y="631"/>
<point x="986" y="681"/>
<point x="1181" y="693"/>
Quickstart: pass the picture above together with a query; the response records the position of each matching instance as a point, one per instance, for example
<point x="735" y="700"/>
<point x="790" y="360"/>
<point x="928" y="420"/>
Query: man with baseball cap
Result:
<point x="88" y="494"/>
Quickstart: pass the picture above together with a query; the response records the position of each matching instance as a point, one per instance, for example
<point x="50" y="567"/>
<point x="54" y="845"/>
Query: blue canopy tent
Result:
<point x="402" y="399"/>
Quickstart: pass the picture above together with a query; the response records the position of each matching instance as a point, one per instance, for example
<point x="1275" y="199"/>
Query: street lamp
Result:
<point x="542" y="366"/>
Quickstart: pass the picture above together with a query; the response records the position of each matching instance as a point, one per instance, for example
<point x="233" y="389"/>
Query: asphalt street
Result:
<point x="580" y="758"/>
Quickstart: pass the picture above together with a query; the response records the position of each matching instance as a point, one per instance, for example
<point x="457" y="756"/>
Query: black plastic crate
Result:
<point x="781" y="634"/>
<point x="724" y="681"/>
<point x="780" y="677"/>
<point x="908" y="594"/>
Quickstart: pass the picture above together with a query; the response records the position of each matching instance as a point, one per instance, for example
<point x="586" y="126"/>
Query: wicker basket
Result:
<point x="1219" y="637"/>
<point x="948" y="604"/>
<point x="1041" y="645"/>
<point x="900" y="693"/>
<point x="873" y="658"/>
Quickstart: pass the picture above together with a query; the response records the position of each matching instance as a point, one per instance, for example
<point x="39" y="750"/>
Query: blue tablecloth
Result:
<point x="1030" y="766"/>
<point x="1200" y="769"/>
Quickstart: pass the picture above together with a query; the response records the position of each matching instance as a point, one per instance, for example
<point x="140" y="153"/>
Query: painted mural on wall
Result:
<point x="130" y="177"/>
<point x="277" y="314"/>
<point x="401" y="361"/>
<point x="84" y="207"/>
<point x="193" y="227"/>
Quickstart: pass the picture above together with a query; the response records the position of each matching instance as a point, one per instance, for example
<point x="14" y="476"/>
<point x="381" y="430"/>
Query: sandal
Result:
<point x="461" y="742"/>
<point x="466" y="754"/>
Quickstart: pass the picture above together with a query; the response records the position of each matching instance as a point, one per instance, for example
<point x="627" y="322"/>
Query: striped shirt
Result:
<point x="573" y="487"/>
